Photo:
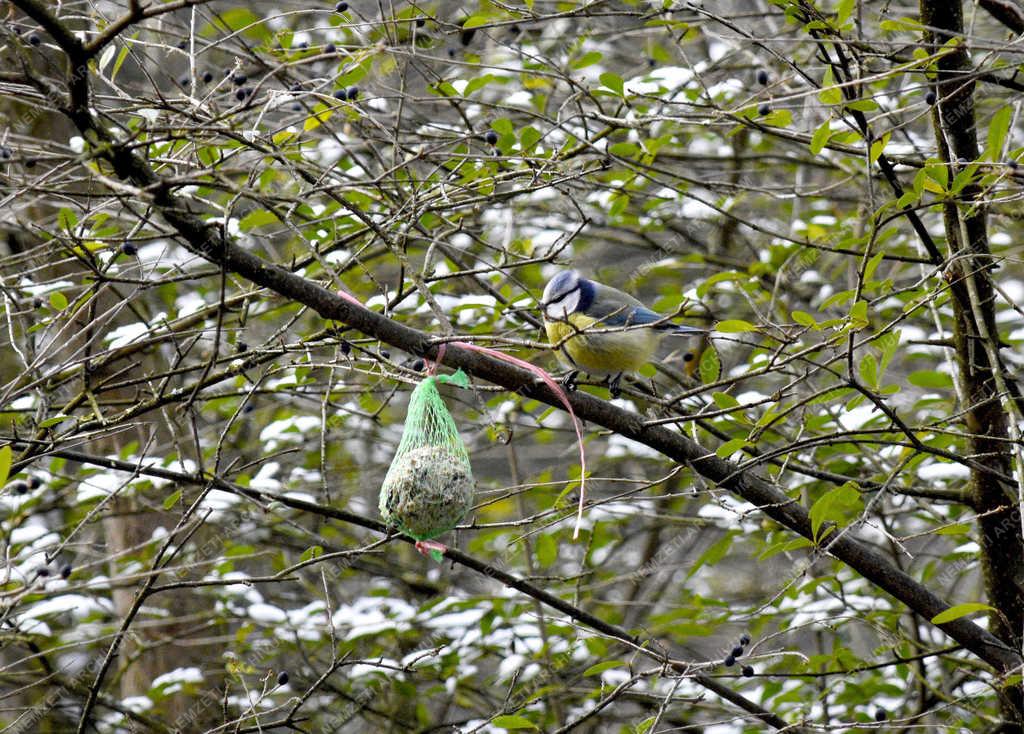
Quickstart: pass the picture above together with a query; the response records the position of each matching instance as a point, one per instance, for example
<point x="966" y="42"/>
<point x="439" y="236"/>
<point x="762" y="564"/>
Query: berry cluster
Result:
<point x="736" y="652"/>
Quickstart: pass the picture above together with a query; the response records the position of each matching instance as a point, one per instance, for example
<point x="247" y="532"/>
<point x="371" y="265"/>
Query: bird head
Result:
<point x="562" y="295"/>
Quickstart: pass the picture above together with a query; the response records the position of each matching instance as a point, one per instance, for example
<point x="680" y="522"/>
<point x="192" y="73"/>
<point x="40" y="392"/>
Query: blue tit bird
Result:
<point x="596" y="329"/>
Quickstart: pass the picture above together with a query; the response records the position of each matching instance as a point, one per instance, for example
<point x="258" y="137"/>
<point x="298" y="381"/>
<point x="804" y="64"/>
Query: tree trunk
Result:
<point x="1002" y="548"/>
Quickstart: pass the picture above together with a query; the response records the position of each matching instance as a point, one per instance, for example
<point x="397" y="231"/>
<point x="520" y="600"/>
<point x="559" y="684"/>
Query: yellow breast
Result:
<point x="600" y="354"/>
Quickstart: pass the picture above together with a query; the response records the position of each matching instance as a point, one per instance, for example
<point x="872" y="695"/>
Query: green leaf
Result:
<point x="820" y="138"/>
<point x="312" y="552"/>
<point x="872" y="265"/>
<point x="830" y="94"/>
<point x="475" y="21"/>
<point x="172" y="499"/>
<point x="804" y="319"/>
<point x="997" y="130"/>
<point x="528" y="138"/>
<point x="598" y="668"/>
<point x="587" y="59"/>
<point x="257" y="218"/>
<point x="612" y="81"/>
<point x="730" y="447"/>
<point x="624" y="149"/>
<point x="778" y="118"/>
<point x="5" y="463"/>
<point x="930" y="379"/>
<point x="859" y="314"/>
<point x="710" y="365"/>
<point x="725" y="401"/>
<point x="58" y="301"/>
<point x="877" y="147"/>
<point x="961" y="528"/>
<point x="547" y="550"/>
<point x="120" y="60"/>
<point x="645" y="726"/>
<point x="513" y="722"/>
<point x="960" y="610"/>
<point x="869" y="370"/>
<point x="836" y="506"/>
<point x="66" y="219"/>
<point x="843" y="10"/>
<point x="734" y="326"/>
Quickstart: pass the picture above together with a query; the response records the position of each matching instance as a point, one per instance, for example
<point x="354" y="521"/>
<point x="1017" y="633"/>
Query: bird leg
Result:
<point x="569" y="381"/>
<point x="432" y="548"/>
<point x="613" y="385"/>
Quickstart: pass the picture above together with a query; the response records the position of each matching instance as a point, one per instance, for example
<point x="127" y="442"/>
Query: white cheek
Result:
<point x="561" y="310"/>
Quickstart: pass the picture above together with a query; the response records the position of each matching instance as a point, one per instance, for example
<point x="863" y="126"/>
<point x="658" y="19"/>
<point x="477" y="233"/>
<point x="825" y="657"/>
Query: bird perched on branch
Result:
<point x="600" y="330"/>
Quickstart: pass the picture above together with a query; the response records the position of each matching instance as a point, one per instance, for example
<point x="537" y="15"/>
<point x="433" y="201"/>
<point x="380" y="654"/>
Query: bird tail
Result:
<point x="678" y="330"/>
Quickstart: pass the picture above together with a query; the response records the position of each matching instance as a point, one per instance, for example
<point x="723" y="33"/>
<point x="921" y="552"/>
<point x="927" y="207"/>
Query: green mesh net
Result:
<point x="429" y="485"/>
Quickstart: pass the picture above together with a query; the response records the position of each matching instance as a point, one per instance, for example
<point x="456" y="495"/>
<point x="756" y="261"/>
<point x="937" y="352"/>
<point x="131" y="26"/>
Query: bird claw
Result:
<point x="569" y="381"/>
<point x="613" y="386"/>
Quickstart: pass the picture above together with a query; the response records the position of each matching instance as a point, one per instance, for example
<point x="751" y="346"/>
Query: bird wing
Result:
<point x="630" y="315"/>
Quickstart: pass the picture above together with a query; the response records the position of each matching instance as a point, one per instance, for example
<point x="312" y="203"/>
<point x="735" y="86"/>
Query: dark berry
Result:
<point x="296" y="107"/>
<point x="241" y="347"/>
<point x="330" y="48"/>
<point x="129" y="249"/>
<point x="30" y="163"/>
<point x="37" y="302"/>
<point x="420" y="22"/>
<point x="418" y="365"/>
<point x="296" y="87"/>
<point x="35" y="40"/>
<point x="304" y="45"/>
<point x="737" y="651"/>
<point x="341" y="7"/>
<point x="929" y="98"/>
<point x="762" y="77"/>
<point x="1011" y="163"/>
<point x="35" y="482"/>
<point x="249" y="408"/>
<point x="748" y="671"/>
<point x="5" y="153"/>
<point x="282" y="678"/>
<point x="340" y="94"/>
<point x="451" y="53"/>
<point x="42" y="571"/>
<point x="880" y="715"/>
<point x="345" y="347"/>
<point x="207" y="77"/>
<point x="227" y="73"/>
<point x="240" y="95"/>
<point x="744" y="639"/>
<point x="385" y="354"/>
<point x="491" y="137"/>
<point x="652" y="62"/>
<point x="688" y="357"/>
<point x="182" y="45"/>
<point x="65" y="570"/>
<point x="19" y="488"/>
<point x="730" y="661"/>
<point x="353" y="93"/>
<point x="764" y="109"/>
<point x="239" y="79"/>
<point x="183" y="81"/>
